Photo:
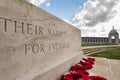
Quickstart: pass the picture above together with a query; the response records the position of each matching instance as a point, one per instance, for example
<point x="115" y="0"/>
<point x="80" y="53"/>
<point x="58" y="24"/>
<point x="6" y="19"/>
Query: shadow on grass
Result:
<point x="110" y="54"/>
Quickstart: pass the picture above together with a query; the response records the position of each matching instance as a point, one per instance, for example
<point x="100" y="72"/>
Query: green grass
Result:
<point x="97" y="44"/>
<point x="110" y="54"/>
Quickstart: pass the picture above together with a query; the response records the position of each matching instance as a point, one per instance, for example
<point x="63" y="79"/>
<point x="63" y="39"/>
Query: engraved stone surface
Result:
<point x="35" y="44"/>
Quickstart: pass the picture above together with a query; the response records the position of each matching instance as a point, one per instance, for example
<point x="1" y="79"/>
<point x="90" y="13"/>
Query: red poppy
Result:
<point x="92" y="59"/>
<point x="78" y="67"/>
<point x="79" y="76"/>
<point x="75" y="75"/>
<point x="86" y="65"/>
<point x="67" y="77"/>
<point x="79" y="71"/>
<point x="89" y="61"/>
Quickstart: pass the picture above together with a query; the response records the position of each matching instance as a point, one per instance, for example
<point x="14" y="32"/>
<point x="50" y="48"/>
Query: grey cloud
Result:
<point x="95" y="12"/>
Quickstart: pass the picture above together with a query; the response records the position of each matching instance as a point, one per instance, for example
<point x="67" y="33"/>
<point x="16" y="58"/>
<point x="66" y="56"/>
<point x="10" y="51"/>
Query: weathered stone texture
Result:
<point x="34" y="44"/>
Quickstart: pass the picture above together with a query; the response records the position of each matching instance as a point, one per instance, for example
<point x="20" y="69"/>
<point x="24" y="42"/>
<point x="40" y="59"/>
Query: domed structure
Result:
<point x="113" y="36"/>
<point x="113" y="32"/>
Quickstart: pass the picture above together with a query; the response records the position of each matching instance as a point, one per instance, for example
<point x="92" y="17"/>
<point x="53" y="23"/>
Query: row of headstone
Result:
<point x="35" y="45"/>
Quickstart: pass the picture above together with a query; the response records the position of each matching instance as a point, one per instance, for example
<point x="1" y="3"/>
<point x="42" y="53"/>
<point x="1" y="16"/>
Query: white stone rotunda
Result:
<point x="113" y="36"/>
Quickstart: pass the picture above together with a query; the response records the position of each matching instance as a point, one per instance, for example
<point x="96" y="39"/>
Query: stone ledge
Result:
<point x="56" y="72"/>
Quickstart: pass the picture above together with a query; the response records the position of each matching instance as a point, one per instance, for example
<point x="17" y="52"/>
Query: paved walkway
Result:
<point x="87" y="47"/>
<point x="107" y="68"/>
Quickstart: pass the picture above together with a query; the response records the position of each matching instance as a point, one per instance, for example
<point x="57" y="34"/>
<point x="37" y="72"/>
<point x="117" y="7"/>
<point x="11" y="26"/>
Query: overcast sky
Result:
<point x="92" y="17"/>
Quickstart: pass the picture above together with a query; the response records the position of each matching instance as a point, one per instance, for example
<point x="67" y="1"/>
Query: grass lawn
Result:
<point x="110" y="54"/>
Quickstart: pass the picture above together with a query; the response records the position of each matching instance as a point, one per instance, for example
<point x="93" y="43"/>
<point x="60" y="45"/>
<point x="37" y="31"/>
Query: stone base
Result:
<point x="56" y="72"/>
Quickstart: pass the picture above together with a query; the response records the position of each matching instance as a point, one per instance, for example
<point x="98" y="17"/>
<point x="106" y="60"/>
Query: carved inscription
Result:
<point x="43" y="48"/>
<point x="35" y="48"/>
<point x="27" y="28"/>
<point x="31" y="29"/>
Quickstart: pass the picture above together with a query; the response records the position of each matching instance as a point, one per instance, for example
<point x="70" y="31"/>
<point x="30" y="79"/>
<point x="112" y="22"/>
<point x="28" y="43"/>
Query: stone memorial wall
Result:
<point x="35" y="45"/>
